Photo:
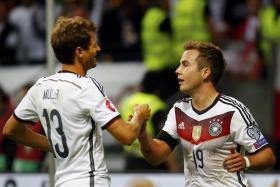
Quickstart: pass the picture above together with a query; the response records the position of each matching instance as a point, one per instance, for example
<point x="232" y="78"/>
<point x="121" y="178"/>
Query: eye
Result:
<point x="184" y="63"/>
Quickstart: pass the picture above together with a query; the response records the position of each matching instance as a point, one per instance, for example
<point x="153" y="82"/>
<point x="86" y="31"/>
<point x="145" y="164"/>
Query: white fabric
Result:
<point x="207" y="137"/>
<point x="76" y="100"/>
<point x="85" y="182"/>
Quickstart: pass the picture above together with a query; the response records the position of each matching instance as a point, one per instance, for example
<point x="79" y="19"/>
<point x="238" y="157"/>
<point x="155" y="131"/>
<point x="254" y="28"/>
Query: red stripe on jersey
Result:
<point x="196" y="132"/>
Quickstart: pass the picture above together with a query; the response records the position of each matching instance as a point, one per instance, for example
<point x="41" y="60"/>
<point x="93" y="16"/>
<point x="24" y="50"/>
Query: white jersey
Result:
<point x="73" y="111"/>
<point x="208" y="136"/>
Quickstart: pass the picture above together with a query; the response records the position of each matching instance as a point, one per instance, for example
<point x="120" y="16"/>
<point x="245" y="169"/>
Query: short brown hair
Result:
<point x="68" y="34"/>
<point x="211" y="56"/>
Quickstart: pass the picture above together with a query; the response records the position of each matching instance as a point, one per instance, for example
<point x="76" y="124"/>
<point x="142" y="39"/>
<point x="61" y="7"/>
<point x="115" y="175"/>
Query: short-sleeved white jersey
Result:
<point x="208" y="136"/>
<point x="73" y="111"/>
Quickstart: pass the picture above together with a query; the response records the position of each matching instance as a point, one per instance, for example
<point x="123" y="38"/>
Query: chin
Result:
<point x="92" y="64"/>
<point x="183" y="90"/>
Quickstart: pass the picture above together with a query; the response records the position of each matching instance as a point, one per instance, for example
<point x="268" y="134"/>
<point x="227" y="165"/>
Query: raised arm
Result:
<point x="127" y="132"/>
<point x="260" y="160"/>
<point x="155" y="151"/>
<point x="20" y="133"/>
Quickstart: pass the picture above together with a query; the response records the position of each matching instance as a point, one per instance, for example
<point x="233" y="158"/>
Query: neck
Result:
<point x="204" y="98"/>
<point x="75" y="68"/>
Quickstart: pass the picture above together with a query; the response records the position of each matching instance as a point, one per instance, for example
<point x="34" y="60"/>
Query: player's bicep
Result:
<point x="169" y="142"/>
<point x="163" y="148"/>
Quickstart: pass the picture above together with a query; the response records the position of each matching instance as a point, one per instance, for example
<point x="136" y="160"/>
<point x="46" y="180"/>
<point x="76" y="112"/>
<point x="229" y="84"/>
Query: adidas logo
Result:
<point x="181" y="125"/>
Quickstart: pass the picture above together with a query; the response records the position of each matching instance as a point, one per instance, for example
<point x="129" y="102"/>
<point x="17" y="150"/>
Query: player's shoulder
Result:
<point x="231" y="102"/>
<point x="82" y="82"/>
<point x="39" y="82"/>
<point x="92" y="84"/>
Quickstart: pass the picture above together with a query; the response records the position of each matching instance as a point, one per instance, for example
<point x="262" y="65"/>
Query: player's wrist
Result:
<point x="142" y="135"/>
<point x="247" y="162"/>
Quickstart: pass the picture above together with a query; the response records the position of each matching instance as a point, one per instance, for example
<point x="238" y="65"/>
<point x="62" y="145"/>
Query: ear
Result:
<point x="206" y="72"/>
<point x="79" y="52"/>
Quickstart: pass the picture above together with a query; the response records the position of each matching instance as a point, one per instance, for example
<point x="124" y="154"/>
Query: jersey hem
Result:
<point x="111" y="122"/>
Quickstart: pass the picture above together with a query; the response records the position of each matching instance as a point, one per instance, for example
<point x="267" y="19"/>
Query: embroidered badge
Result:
<point x="109" y="105"/>
<point x="215" y="129"/>
<point x="254" y="132"/>
<point x="196" y="132"/>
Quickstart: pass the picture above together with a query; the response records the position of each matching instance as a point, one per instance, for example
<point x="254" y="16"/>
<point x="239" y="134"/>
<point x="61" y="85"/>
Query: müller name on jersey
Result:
<point x="51" y="93"/>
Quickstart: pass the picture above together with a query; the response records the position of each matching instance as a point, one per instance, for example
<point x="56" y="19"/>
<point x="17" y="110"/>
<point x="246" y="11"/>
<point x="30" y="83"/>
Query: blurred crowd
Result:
<point x="151" y="32"/>
<point x="128" y="30"/>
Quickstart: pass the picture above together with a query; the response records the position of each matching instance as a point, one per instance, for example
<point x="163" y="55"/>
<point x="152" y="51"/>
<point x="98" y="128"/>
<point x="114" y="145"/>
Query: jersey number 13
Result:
<point x="55" y="149"/>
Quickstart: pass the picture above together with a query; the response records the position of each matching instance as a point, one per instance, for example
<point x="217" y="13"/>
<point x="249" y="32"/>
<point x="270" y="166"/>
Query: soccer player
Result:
<point x="73" y="110"/>
<point x="215" y="130"/>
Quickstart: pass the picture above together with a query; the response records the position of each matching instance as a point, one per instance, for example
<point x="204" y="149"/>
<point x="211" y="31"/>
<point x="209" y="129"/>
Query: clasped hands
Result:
<point x="144" y="112"/>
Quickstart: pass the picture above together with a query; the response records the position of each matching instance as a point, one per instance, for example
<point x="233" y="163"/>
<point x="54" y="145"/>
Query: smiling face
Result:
<point x="71" y="37"/>
<point x="188" y="74"/>
<point x="88" y="58"/>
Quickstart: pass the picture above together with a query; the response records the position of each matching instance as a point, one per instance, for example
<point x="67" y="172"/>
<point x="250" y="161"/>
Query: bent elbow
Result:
<point x="153" y="162"/>
<point x="151" y="158"/>
<point x="273" y="160"/>
<point x="127" y="140"/>
<point x="12" y="131"/>
<point x="7" y="133"/>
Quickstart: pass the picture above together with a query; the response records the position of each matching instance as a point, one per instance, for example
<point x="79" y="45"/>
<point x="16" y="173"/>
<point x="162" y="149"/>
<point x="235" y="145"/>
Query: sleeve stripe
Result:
<point x="100" y="88"/>
<point x="241" y="106"/>
<point x="244" y="113"/>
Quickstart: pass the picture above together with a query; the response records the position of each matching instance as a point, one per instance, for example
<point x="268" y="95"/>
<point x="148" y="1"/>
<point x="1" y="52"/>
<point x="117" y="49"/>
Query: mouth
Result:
<point x="180" y="80"/>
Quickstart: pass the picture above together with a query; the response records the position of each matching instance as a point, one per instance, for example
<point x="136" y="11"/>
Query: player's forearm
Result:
<point x="149" y="148"/>
<point x="124" y="132"/>
<point x="264" y="159"/>
<point x="21" y="134"/>
<point x="171" y="163"/>
<point x="35" y="140"/>
<point x="128" y="133"/>
<point x="136" y="123"/>
<point x="131" y="133"/>
<point x="30" y="138"/>
<point x="140" y="115"/>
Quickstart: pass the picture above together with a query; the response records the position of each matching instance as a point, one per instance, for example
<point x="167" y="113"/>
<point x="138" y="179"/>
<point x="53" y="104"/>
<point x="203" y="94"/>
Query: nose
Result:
<point x="177" y="71"/>
<point x="98" y="48"/>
